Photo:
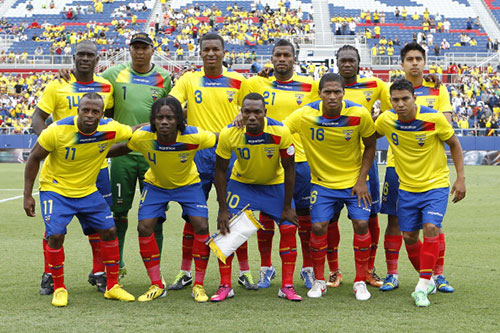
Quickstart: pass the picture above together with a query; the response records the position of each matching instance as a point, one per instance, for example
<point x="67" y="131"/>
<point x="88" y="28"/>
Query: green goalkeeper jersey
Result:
<point x="135" y="93"/>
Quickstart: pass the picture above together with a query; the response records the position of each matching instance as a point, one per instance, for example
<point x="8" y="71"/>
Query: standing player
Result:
<point x="136" y="86"/>
<point x="262" y="176"/>
<point x="364" y="91"/>
<point x="61" y="99"/>
<point x="213" y="95"/>
<point x="170" y="146"/>
<point x="284" y="92"/>
<point x="333" y="127"/>
<point x="413" y="63"/>
<point x="75" y="148"/>
<point x="416" y="135"/>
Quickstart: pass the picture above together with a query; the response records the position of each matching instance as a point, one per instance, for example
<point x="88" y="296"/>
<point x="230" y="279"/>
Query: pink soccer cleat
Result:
<point x="289" y="293"/>
<point x="222" y="293"/>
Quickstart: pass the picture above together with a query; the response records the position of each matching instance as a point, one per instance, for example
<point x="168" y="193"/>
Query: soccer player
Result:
<point x="75" y="148"/>
<point x="60" y="99"/>
<point x="169" y="146"/>
<point x="334" y="127"/>
<point x="284" y="92"/>
<point x="213" y="95"/>
<point x="413" y="63"/>
<point x="416" y="135"/>
<point x="262" y="176"/>
<point x="137" y="85"/>
<point x="364" y="91"/>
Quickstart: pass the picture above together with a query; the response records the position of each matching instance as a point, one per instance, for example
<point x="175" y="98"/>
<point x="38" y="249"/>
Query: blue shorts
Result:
<point x="92" y="211"/>
<point x="374" y="188"/>
<point x="104" y="186"/>
<point x="390" y="194"/>
<point x="205" y="163"/>
<point x="268" y="199"/>
<point x="325" y="203"/>
<point x="417" y="208"/>
<point x="302" y="190"/>
<point x="154" y="201"/>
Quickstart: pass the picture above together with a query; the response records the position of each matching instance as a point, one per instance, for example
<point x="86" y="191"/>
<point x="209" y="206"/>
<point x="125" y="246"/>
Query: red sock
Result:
<point x="151" y="257"/>
<point x="414" y="254"/>
<point x="318" y="249"/>
<point x="438" y="269"/>
<point x="242" y="253"/>
<point x="333" y="240"/>
<point x="95" y="244"/>
<point x="374" y="229"/>
<point x="265" y="240"/>
<point x="187" y="247"/>
<point x="111" y="258"/>
<point x="428" y="256"/>
<point x="45" y="243"/>
<point x="392" y="245"/>
<point x="305" y="227"/>
<point x="288" y="253"/>
<point x="361" y="244"/>
<point x="55" y="260"/>
<point x="225" y="271"/>
<point x="201" y="253"/>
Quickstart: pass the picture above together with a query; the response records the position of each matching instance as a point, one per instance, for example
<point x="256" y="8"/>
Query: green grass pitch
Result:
<point x="472" y="264"/>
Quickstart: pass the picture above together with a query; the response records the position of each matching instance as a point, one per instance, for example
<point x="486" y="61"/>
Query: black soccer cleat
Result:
<point x="99" y="281"/>
<point x="47" y="284"/>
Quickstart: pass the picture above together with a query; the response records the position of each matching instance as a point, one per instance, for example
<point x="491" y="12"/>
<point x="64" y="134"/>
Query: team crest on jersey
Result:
<point x="102" y="146"/>
<point x="155" y="94"/>
<point x="269" y="151"/>
<point x="183" y="157"/>
<point x="348" y="134"/>
<point x="430" y="102"/>
<point x="230" y="95"/>
<point x="299" y="98"/>
<point x="420" y="139"/>
<point x="368" y="95"/>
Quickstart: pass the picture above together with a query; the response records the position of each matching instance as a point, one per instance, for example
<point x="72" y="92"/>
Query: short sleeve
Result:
<point x="123" y="132"/>
<point x="207" y="139"/>
<point x="179" y="90"/>
<point x="379" y="124"/>
<point x="109" y="102"/>
<point x="293" y="121"/>
<point x="224" y="148"/>
<point x="48" y="100"/>
<point x="385" y="99"/>
<point x="444" y="100"/>
<point x="286" y="138"/>
<point x="133" y="142"/>
<point x="244" y="90"/>
<point x="48" y="138"/>
<point x="443" y="127"/>
<point x="367" y="127"/>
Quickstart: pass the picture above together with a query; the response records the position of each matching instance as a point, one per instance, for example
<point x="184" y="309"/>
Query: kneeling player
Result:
<point x="262" y="176"/>
<point x="169" y="147"/>
<point x="331" y="131"/>
<point x="416" y="135"/>
<point x="75" y="148"/>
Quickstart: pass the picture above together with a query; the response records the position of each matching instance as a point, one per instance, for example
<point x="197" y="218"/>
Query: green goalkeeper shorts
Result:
<point x="125" y="172"/>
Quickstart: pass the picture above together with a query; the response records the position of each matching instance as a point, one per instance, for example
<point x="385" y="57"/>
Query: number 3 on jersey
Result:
<point x="197" y="97"/>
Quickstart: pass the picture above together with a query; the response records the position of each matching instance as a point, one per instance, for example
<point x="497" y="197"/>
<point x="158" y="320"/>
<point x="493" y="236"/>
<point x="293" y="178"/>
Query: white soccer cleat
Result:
<point x="360" y="291"/>
<point x="318" y="289"/>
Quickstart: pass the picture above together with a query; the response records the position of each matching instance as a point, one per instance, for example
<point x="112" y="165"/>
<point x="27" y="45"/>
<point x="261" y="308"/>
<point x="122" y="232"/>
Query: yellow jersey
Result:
<point x="258" y="156"/>
<point x="75" y="158"/>
<point x="418" y="148"/>
<point x="282" y="98"/>
<point x="332" y="145"/>
<point x="171" y="164"/>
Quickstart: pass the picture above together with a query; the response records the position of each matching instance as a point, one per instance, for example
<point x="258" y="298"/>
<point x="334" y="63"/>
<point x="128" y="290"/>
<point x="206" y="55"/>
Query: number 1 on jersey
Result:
<point x="320" y="134"/>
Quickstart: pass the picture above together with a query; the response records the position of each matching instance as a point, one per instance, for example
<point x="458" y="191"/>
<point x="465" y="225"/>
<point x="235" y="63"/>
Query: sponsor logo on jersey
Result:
<point x="269" y="151"/>
<point x="230" y="95"/>
<point x="348" y="134"/>
<point x="155" y="94"/>
<point x="183" y="157"/>
<point x="299" y="98"/>
<point x="420" y="139"/>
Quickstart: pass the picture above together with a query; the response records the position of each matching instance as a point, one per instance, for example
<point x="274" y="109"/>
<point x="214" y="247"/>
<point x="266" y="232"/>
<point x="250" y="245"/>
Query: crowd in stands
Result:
<point x="19" y="95"/>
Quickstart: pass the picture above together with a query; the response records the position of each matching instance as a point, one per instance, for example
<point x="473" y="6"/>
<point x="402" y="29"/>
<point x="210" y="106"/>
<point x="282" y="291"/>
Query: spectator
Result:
<point x="29" y="6"/>
<point x="446" y="26"/>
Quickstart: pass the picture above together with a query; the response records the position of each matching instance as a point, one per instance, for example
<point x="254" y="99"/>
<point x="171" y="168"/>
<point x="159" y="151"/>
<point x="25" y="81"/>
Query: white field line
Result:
<point x="14" y="198"/>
